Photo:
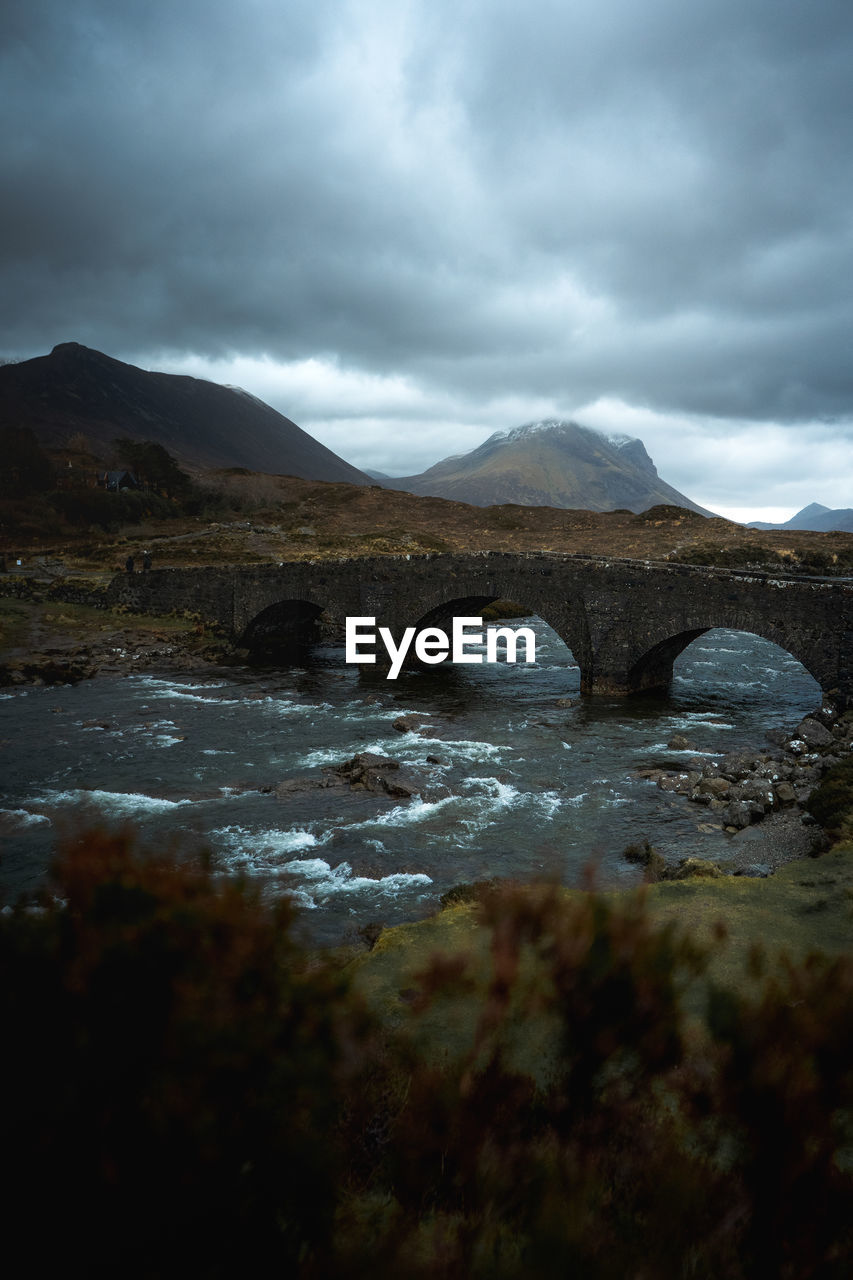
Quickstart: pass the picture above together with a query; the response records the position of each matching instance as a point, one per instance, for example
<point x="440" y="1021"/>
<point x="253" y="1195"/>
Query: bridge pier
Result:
<point x="621" y="684"/>
<point x="612" y="684"/>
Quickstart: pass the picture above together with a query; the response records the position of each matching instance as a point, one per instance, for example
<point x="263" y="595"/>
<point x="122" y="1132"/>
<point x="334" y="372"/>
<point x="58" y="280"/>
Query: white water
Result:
<point x="517" y="786"/>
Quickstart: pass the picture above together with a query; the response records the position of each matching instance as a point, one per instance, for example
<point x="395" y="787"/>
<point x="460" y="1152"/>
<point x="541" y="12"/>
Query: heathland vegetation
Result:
<point x="89" y="510"/>
<point x="578" y="1086"/>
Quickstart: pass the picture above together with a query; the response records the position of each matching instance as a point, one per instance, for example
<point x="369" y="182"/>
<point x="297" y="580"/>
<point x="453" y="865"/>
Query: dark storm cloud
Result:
<point x="649" y="202"/>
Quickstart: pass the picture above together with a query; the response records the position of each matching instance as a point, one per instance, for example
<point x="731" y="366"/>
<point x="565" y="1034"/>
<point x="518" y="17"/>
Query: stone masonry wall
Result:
<point x="625" y="621"/>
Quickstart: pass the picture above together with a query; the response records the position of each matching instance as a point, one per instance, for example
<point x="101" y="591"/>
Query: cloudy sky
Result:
<point x="409" y="223"/>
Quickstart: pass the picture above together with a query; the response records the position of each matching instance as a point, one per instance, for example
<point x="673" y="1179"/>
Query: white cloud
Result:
<point x="739" y="465"/>
<point x="306" y="390"/>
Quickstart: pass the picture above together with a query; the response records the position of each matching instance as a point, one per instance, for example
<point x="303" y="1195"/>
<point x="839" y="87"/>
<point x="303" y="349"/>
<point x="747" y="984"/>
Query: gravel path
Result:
<point x="779" y="838"/>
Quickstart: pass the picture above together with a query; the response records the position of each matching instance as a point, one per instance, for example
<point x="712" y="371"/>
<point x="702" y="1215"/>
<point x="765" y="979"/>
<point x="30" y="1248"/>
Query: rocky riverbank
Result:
<point x="59" y="632"/>
<point x="756" y="797"/>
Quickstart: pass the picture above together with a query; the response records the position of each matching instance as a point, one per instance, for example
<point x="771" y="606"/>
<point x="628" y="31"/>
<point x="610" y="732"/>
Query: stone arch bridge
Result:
<point x="625" y="621"/>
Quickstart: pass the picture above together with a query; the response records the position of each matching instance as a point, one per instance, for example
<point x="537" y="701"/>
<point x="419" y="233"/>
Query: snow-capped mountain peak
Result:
<point x="529" y="429"/>
<point x="546" y="426"/>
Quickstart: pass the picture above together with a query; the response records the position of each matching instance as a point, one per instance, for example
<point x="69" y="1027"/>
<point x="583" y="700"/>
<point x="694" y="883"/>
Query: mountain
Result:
<point x="816" y="517"/>
<point x="554" y="464"/>
<point x="76" y="389"/>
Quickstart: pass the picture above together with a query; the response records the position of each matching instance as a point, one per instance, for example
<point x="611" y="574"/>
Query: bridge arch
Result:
<point x="461" y="607"/>
<point x="283" y="630"/>
<point x="653" y="668"/>
<point x="566" y="617"/>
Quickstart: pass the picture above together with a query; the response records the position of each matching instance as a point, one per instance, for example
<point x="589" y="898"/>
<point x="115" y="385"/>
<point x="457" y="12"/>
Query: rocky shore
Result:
<point x="756" y="797"/>
<point x="59" y="632"/>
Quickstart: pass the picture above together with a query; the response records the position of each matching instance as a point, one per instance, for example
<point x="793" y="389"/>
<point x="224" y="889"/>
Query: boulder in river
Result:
<point x="366" y="771"/>
<point x="653" y="863"/>
<point x="369" y="772"/>
<point x="411" y="723"/>
<point x="672" y="781"/>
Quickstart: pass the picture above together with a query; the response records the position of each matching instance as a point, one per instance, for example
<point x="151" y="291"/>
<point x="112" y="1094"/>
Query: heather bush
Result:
<point x="173" y="1067"/>
<point x="183" y="1081"/>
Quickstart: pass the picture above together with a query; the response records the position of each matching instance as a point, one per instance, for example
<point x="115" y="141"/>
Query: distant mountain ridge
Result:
<point x="76" y="389"/>
<point x="553" y="463"/>
<point x="816" y="517"/>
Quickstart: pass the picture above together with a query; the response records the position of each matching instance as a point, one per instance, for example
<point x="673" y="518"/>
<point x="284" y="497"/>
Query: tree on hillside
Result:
<point x="153" y="466"/>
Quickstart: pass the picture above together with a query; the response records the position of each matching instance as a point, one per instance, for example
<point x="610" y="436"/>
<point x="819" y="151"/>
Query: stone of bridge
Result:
<point x="625" y="621"/>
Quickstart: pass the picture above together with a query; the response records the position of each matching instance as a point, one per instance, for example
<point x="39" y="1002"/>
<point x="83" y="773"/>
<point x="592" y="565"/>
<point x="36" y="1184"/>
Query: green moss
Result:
<point x="778" y="914"/>
<point x="466" y="892"/>
<point x="831" y="802"/>
<point x="500" y="609"/>
<point x="806" y="906"/>
<point x="388" y="977"/>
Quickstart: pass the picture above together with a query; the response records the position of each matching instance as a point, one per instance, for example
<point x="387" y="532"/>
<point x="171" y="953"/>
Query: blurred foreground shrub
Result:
<point x="189" y="1093"/>
<point x="173" y="1070"/>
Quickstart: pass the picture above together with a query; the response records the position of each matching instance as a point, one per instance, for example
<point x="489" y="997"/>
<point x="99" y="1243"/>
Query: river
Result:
<point x="522" y="786"/>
